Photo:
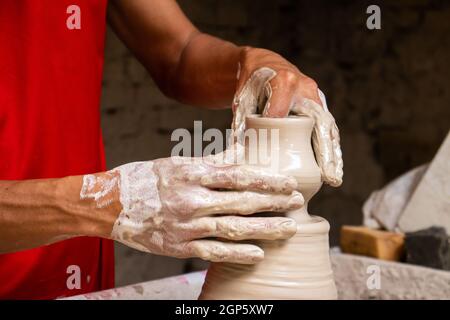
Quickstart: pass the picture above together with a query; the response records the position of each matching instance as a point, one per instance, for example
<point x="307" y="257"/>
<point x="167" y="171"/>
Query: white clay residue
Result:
<point x="139" y="198"/>
<point x="255" y="93"/>
<point x="325" y="138"/>
<point x="98" y="188"/>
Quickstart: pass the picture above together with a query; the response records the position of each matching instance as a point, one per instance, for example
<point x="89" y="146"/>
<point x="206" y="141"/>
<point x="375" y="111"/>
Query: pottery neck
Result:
<point x="283" y="145"/>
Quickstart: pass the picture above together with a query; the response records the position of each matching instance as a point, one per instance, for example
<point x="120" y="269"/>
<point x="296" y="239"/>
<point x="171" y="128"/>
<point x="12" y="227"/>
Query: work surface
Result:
<point x="356" y="278"/>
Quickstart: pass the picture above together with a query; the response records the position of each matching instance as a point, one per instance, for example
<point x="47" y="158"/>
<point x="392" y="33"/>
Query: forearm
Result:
<point x="40" y="212"/>
<point x="187" y="65"/>
<point x="206" y="74"/>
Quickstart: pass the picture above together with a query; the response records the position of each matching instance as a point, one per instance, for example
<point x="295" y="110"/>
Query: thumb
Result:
<point x="251" y="93"/>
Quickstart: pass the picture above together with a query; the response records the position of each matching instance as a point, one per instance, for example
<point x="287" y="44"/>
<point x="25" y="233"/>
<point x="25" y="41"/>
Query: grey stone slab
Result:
<point x="355" y="277"/>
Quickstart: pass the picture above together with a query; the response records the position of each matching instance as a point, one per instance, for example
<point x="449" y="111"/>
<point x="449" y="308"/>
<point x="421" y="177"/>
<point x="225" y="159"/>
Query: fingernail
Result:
<point x="206" y="180"/>
<point x="256" y="254"/>
<point x="288" y="228"/>
<point x="289" y="224"/>
<point x="296" y="200"/>
<point x="250" y="256"/>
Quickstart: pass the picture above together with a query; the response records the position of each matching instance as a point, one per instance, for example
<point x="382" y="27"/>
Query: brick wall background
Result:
<point x="388" y="90"/>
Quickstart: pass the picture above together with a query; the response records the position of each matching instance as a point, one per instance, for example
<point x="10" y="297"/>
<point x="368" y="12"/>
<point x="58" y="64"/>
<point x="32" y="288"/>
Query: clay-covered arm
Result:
<point x="180" y="207"/>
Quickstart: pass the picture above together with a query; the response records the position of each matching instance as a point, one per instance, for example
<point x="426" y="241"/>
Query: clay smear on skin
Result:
<point x="98" y="188"/>
<point x="139" y="198"/>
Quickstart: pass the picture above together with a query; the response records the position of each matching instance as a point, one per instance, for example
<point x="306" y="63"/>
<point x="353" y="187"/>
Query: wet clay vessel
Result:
<point x="297" y="268"/>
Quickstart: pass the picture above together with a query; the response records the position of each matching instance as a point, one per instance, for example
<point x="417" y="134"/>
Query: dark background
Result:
<point x="388" y="90"/>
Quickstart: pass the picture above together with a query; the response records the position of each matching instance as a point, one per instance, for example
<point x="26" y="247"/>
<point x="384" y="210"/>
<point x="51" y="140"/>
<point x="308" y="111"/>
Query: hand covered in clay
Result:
<point x="270" y="85"/>
<point x="192" y="207"/>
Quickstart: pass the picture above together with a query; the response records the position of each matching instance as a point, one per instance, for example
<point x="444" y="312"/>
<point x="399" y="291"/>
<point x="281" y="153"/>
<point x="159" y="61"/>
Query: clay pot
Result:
<point x="298" y="268"/>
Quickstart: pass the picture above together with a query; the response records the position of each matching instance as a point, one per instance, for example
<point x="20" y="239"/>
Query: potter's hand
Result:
<point x="270" y="85"/>
<point x="183" y="207"/>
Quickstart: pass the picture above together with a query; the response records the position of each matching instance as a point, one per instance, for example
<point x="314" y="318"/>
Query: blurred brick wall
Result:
<point x="388" y="90"/>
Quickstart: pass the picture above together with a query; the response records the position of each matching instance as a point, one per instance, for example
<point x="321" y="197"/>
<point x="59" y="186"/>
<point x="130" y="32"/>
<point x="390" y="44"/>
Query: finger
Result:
<point x="249" y="178"/>
<point x="337" y="157"/>
<point x="250" y="89"/>
<point x="322" y="142"/>
<point x="334" y="170"/>
<point x="217" y="251"/>
<point x="323" y="99"/>
<point x="325" y="140"/>
<point x="249" y="94"/>
<point x="234" y="154"/>
<point x="280" y="97"/>
<point x="240" y="228"/>
<point x="287" y="87"/>
<point x="307" y="89"/>
<point x="248" y="202"/>
<point x="323" y="146"/>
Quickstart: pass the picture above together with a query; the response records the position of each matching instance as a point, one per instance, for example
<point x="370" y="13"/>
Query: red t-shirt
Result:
<point x="51" y="60"/>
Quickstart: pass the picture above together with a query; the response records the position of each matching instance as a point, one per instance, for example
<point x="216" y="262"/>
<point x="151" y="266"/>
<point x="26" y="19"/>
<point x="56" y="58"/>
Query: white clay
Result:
<point x="255" y="92"/>
<point x="256" y="95"/>
<point x="91" y="190"/>
<point x="297" y="268"/>
<point x="325" y="138"/>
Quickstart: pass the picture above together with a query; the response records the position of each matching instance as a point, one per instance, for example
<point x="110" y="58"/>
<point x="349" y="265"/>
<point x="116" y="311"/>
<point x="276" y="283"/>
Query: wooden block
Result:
<point x="379" y="244"/>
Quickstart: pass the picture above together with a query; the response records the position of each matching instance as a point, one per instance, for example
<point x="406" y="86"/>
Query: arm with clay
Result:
<point x="180" y="207"/>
